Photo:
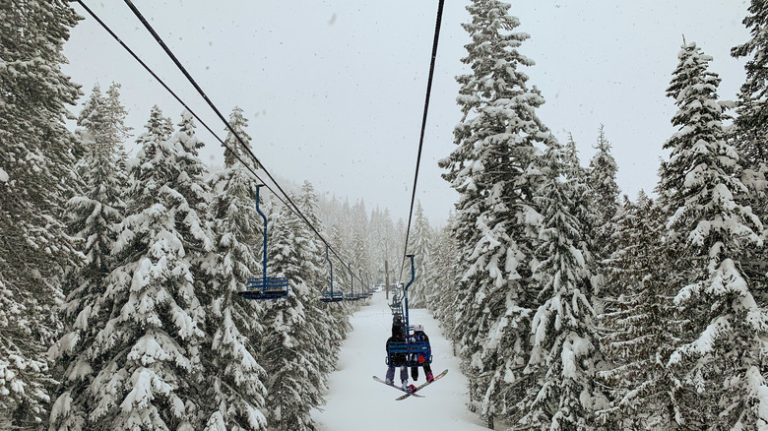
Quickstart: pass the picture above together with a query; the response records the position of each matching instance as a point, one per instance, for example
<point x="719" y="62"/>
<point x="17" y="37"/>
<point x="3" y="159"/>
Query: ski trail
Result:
<point x="356" y="402"/>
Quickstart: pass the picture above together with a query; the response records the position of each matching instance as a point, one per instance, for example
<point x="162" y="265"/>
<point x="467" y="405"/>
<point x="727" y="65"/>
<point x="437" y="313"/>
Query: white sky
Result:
<point x="334" y="89"/>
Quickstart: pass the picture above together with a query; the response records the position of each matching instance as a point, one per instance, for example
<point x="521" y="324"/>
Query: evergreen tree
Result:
<point x="602" y="193"/>
<point x="561" y="367"/>
<point x="329" y="326"/>
<point x="602" y="180"/>
<point x="119" y="132"/>
<point x="751" y="134"/>
<point x="719" y="365"/>
<point x="441" y="277"/>
<point x="290" y="344"/>
<point x="93" y="219"/>
<point x="234" y="383"/>
<point x="494" y="170"/>
<point x="239" y="123"/>
<point x="150" y="368"/>
<point x="37" y="155"/>
<point x="573" y="168"/>
<point x="421" y="244"/>
<point x="638" y="332"/>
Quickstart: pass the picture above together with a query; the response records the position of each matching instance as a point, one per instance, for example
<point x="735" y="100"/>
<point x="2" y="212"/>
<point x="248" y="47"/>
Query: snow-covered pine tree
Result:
<point x="329" y="327"/>
<point x="603" y="204"/>
<point x="441" y="277"/>
<point x="290" y="346"/>
<point x="234" y="383"/>
<point x="87" y="123"/>
<point x="150" y="369"/>
<point x="93" y="219"/>
<point x="421" y="245"/>
<point x="719" y="365"/>
<point x="239" y="123"/>
<point x="602" y="179"/>
<point x="120" y="132"/>
<point x="493" y="169"/>
<point x="36" y="180"/>
<point x="573" y="168"/>
<point x="750" y="137"/>
<point x="638" y="331"/>
<point x="559" y="374"/>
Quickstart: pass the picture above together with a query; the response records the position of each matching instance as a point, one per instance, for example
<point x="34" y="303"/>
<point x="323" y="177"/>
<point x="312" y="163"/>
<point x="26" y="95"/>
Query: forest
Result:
<point x="570" y="305"/>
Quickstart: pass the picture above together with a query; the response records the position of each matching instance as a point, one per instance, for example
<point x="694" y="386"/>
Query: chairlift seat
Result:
<point x="265" y="289"/>
<point x="329" y="296"/>
<point x="408" y="353"/>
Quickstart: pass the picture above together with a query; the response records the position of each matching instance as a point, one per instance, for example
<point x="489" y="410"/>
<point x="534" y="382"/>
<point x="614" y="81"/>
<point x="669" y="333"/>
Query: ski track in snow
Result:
<point x="356" y="402"/>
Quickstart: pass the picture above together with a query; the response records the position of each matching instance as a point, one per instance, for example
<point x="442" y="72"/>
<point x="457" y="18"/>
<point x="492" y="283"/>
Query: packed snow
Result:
<point x="356" y="402"/>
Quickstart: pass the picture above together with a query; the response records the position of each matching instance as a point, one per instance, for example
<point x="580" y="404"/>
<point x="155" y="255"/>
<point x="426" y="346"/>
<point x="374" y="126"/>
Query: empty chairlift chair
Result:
<point x="330" y="295"/>
<point x="265" y="287"/>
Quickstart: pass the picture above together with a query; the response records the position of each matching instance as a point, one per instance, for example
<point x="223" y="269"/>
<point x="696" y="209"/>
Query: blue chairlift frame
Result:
<point x="407" y="353"/>
<point x="330" y="295"/>
<point x="265" y="288"/>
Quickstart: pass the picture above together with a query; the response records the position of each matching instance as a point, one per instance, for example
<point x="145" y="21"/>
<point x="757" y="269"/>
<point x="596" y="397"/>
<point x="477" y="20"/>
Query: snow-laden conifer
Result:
<point x="493" y="169"/>
<point x="290" y="346"/>
<point x="150" y="368"/>
<point x="234" y="382"/>
<point x="750" y="135"/>
<point x="234" y="149"/>
<point x="93" y="219"/>
<point x="602" y="179"/>
<point x="719" y="367"/>
<point x="329" y="323"/>
<point x="36" y="180"/>
<point x="639" y="330"/>
<point x="420" y="245"/>
<point x="559" y="374"/>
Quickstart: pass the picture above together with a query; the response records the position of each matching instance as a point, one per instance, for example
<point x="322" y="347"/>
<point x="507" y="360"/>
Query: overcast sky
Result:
<point x="333" y="90"/>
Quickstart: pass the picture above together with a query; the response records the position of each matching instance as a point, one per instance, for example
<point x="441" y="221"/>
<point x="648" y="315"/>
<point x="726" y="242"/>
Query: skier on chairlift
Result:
<point x="398" y="360"/>
<point x="420" y="336"/>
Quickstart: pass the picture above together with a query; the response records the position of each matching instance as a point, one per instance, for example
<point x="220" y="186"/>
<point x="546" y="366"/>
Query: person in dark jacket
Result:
<point x="398" y="359"/>
<point x="420" y="336"/>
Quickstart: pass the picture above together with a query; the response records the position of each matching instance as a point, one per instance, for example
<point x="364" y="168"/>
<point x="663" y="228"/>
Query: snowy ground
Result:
<point x="356" y="402"/>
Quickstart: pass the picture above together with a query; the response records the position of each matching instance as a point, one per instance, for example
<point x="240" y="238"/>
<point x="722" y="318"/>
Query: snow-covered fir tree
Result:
<point x="601" y="194"/>
<point x="234" y="382"/>
<point x="638" y="332"/>
<point x="602" y="180"/>
<point x="494" y="170"/>
<point x="420" y="246"/>
<point x="719" y="365"/>
<point x="239" y="123"/>
<point x="290" y="347"/>
<point x="573" y="168"/>
<point x="750" y="137"/>
<point x="330" y="324"/>
<point x="150" y="369"/>
<point x="93" y="219"/>
<point x="559" y="375"/>
<point x="37" y="154"/>
<point x="441" y="277"/>
<point x="120" y="132"/>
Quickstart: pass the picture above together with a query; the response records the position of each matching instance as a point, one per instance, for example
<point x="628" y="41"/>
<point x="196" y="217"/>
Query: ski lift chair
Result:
<point x="265" y="287"/>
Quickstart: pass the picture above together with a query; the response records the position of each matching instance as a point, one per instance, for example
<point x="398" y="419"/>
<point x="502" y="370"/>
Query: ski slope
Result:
<point x="356" y="402"/>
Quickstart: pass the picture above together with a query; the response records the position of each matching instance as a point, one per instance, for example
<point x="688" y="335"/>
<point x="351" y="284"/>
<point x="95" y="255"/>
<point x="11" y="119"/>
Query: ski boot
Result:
<point x="405" y="385"/>
<point x="411" y="388"/>
<point x="430" y="377"/>
<point x="390" y="382"/>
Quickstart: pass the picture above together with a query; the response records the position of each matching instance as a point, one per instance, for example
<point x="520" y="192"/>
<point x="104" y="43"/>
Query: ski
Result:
<point x="421" y="386"/>
<point x="393" y="386"/>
